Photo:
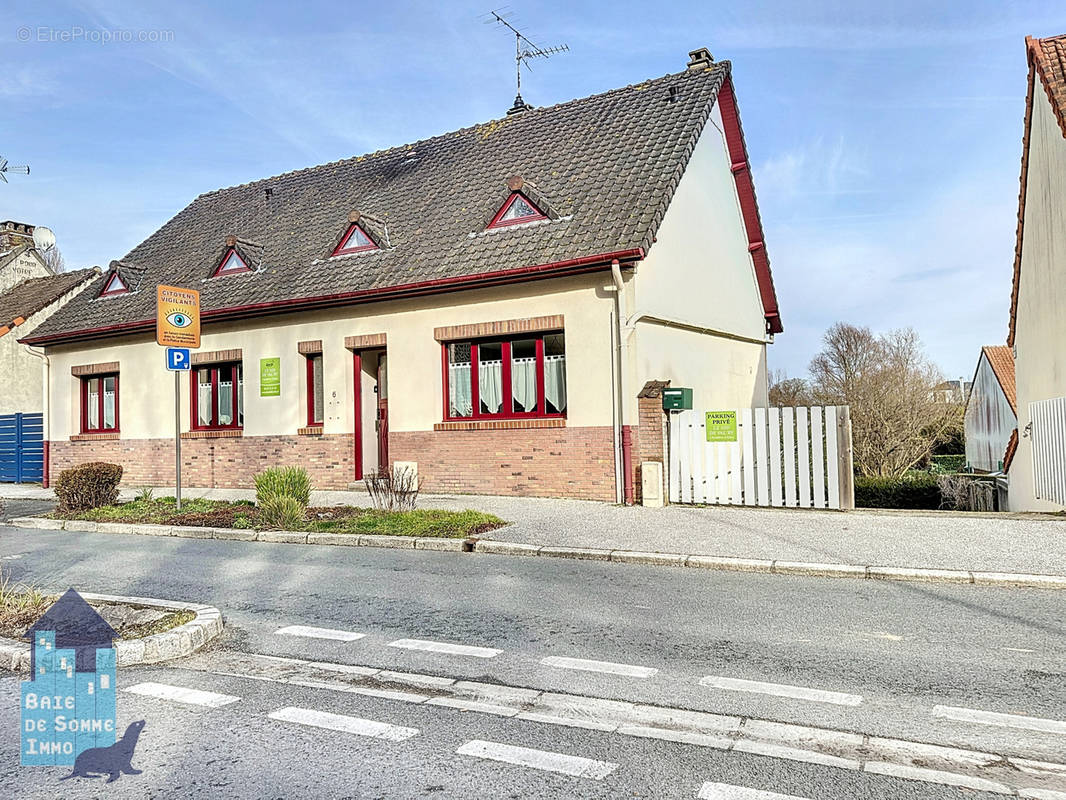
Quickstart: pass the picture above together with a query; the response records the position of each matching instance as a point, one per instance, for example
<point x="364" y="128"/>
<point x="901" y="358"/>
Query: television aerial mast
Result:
<point x="6" y="169"/>
<point x="524" y="52"/>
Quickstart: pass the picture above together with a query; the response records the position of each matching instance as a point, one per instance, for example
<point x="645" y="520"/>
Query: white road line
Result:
<point x="446" y="647"/>
<point x="312" y="632"/>
<point x="610" y="667"/>
<point x="180" y="694"/>
<point x="1000" y="720"/>
<point x="936" y="776"/>
<point x="781" y="690"/>
<point x="724" y="791"/>
<point x="472" y="705"/>
<point x="539" y="759"/>
<point x="340" y="722"/>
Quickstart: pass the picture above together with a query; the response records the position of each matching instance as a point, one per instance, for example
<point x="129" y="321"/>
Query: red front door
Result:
<point x="383" y="414"/>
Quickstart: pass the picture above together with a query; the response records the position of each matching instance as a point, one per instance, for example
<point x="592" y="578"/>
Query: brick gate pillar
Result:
<point x="651" y="431"/>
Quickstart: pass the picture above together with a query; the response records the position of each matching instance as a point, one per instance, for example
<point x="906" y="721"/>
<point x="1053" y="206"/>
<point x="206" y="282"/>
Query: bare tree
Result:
<point x="54" y="259"/>
<point x="888" y="382"/>
<point x="786" y="391"/>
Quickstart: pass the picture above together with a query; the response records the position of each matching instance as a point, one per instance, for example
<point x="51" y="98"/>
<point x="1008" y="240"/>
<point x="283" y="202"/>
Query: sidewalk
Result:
<point x="929" y="540"/>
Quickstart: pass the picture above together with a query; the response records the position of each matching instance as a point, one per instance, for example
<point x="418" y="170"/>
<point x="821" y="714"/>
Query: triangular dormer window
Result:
<point x="231" y="264"/>
<point x="516" y="210"/>
<point x="115" y="285"/>
<point x="354" y="240"/>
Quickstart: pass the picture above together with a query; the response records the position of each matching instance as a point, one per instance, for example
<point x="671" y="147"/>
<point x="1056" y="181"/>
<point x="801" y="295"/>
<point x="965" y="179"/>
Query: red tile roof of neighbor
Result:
<point x="1012" y="448"/>
<point x="24" y="299"/>
<point x="1001" y="359"/>
<point x="603" y="169"/>
<point x="1047" y="59"/>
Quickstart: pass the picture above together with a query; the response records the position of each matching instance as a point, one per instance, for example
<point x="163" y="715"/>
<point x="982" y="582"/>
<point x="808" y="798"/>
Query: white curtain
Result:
<point x="555" y="381"/>
<point x="92" y="411"/>
<point x="459" y="399"/>
<point x="203" y="398"/>
<point x="490" y="385"/>
<point x="109" y="402"/>
<point x="524" y="382"/>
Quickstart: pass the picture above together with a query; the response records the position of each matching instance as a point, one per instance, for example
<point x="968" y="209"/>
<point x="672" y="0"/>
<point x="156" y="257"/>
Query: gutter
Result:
<point x="573" y="266"/>
<point x="631" y="323"/>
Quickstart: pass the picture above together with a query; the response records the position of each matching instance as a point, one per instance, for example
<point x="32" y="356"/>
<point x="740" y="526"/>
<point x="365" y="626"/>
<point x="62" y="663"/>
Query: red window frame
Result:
<point x="232" y="251"/>
<point x="341" y="250"/>
<point x="311" y="421"/>
<point x="122" y="287"/>
<point x="194" y="392"/>
<point x="540" y="412"/>
<point x="499" y="222"/>
<point x="85" y="380"/>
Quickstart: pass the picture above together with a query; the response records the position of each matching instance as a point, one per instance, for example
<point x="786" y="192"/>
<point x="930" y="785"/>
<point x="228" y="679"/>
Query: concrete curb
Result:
<point x="175" y="643"/>
<point x="494" y="547"/>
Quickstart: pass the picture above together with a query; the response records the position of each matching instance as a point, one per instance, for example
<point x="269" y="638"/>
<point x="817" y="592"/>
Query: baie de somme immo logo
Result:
<point x="68" y="705"/>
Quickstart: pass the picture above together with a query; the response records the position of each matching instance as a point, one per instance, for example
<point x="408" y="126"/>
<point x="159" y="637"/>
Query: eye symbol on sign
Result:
<point x="179" y="320"/>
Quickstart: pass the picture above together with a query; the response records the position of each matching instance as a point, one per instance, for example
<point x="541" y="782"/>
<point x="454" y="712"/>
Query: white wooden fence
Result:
<point x="789" y="457"/>
<point x="1048" y="419"/>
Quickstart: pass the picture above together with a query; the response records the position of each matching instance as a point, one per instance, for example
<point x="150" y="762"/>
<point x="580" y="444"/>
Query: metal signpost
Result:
<point x="177" y="328"/>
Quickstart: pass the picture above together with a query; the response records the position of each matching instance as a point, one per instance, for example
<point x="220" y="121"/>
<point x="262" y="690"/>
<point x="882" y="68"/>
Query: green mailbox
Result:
<point x="677" y="399"/>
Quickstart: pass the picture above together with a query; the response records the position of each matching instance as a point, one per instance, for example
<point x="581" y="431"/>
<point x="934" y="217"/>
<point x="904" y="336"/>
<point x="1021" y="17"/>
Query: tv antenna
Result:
<point x="5" y="168"/>
<point x="524" y="52"/>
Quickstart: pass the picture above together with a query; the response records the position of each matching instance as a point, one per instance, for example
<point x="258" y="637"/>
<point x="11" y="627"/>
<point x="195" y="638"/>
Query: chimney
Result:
<point x="519" y="106"/>
<point x="14" y="234"/>
<point x="700" y="58"/>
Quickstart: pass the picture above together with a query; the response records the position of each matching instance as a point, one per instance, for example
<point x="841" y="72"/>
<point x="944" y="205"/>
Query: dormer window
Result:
<point x="231" y="264"/>
<point x="115" y="285"/>
<point x="516" y="210"/>
<point x="355" y="240"/>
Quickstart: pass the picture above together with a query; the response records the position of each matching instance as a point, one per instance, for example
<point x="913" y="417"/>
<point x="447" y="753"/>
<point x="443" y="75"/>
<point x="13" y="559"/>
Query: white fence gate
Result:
<point x="788" y="457"/>
<point x="1048" y="420"/>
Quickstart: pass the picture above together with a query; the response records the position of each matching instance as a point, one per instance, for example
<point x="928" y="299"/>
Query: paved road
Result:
<point x="871" y="658"/>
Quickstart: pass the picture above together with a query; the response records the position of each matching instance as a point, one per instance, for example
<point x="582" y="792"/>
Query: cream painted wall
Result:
<point x="26" y="265"/>
<point x="415" y="390"/>
<point x="1040" y="331"/>
<point x="699" y="272"/>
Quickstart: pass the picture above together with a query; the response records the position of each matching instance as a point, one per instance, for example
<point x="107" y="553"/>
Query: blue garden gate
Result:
<point x="21" y="448"/>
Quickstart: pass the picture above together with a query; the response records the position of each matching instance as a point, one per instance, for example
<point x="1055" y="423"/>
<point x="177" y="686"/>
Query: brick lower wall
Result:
<point x="537" y="462"/>
<point x="228" y="463"/>
<point x="650" y="434"/>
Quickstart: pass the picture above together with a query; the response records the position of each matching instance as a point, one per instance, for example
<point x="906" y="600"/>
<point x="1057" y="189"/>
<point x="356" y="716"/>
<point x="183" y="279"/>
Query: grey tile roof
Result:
<point x="31" y="295"/>
<point x="607" y="165"/>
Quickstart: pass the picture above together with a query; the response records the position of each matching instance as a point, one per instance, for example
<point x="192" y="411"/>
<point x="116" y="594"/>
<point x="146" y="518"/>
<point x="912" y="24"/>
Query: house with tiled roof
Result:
<point x="29" y="294"/>
<point x="991" y="410"/>
<point x="1037" y="463"/>
<point x="483" y="306"/>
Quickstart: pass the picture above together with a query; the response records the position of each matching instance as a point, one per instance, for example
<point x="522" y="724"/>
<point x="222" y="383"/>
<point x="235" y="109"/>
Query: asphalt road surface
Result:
<point x="502" y="638"/>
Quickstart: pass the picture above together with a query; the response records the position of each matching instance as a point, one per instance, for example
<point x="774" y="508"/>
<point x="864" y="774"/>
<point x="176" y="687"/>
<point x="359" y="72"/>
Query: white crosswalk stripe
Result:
<point x="312" y="632"/>
<point x="180" y="694"/>
<point x="781" y="690"/>
<point x="609" y="667"/>
<point x="539" y="759"/>
<point x="1000" y="720"/>
<point x="339" y="722"/>
<point x="725" y="791"/>
<point x="446" y="648"/>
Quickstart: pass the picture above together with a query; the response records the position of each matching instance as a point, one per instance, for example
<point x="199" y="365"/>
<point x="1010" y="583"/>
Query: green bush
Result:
<point x="88" y="486"/>
<point x="948" y="464"/>
<point x="283" y="482"/>
<point x="282" y="513"/>
<point x="916" y="490"/>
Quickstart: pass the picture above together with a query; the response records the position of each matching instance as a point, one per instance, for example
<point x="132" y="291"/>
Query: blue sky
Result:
<point x="885" y="137"/>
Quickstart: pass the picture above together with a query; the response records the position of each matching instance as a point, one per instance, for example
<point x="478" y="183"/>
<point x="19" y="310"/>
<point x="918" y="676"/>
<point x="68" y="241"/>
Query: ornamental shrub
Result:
<point x="289" y="482"/>
<point x="88" y="486"/>
<point x="915" y="490"/>
<point x="282" y="512"/>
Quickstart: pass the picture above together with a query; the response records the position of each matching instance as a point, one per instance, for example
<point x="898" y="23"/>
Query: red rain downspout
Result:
<point x="44" y="480"/>
<point x="627" y="461"/>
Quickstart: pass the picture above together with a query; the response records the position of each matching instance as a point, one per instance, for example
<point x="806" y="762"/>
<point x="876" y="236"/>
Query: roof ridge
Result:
<point x="726" y="64"/>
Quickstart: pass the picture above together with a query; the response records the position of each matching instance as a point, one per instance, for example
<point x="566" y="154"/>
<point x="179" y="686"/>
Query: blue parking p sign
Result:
<point x="178" y="359"/>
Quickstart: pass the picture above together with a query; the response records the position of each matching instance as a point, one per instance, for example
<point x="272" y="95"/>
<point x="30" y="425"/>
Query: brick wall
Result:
<point x="537" y="462"/>
<point x="228" y="463"/>
<point x="651" y="426"/>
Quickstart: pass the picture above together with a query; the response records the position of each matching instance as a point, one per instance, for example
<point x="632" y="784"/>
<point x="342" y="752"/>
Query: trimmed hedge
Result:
<point x="918" y="490"/>
<point x="956" y="462"/>
<point x="88" y="486"/>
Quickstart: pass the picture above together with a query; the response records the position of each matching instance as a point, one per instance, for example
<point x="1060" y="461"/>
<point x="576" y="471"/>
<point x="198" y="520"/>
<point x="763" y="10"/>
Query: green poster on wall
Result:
<point x="721" y="426"/>
<point x="270" y="377"/>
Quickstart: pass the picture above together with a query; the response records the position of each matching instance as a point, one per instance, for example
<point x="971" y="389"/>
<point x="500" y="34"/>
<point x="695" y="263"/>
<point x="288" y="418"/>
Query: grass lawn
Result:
<point x="335" y="519"/>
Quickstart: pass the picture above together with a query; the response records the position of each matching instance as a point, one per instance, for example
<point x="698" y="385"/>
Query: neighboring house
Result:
<point x="19" y="259"/>
<point x="1037" y="470"/>
<point x="991" y="410"/>
<point x="953" y="392"/>
<point x="486" y="304"/>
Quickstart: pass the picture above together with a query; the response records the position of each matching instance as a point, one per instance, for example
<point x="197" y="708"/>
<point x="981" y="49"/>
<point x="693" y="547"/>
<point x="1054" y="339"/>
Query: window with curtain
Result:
<point x="218" y="396"/>
<point x="99" y="404"/>
<point x="512" y="378"/>
<point x="315" y="392"/>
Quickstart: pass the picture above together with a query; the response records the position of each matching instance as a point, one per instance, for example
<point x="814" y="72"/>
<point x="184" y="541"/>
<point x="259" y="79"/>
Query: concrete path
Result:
<point x="930" y="540"/>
